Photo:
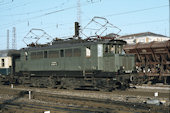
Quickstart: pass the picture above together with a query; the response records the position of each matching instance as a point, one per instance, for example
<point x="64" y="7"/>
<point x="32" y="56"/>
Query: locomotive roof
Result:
<point x="74" y="43"/>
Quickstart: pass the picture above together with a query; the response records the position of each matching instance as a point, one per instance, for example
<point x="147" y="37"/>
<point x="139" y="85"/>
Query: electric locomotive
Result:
<point x="75" y="63"/>
<point x="97" y="63"/>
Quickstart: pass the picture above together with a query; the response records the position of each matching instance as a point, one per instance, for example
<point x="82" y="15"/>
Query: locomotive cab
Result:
<point x="114" y="47"/>
<point x="114" y="58"/>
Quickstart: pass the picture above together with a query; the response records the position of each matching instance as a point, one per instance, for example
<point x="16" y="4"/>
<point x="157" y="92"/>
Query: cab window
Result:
<point x="112" y="48"/>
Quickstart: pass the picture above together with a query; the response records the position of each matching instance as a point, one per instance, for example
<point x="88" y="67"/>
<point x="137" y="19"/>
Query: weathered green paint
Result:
<point x="106" y="62"/>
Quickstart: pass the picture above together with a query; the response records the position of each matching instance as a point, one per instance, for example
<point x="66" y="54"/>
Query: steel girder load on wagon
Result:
<point x="152" y="59"/>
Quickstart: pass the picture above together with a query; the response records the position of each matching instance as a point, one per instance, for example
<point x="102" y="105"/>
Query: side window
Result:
<point x="62" y="53"/>
<point x="39" y="54"/>
<point x="3" y="62"/>
<point x="33" y="55"/>
<point x="45" y="54"/>
<point x="53" y="54"/>
<point x="68" y="52"/>
<point x="77" y="52"/>
<point x="36" y="55"/>
<point x="88" y="52"/>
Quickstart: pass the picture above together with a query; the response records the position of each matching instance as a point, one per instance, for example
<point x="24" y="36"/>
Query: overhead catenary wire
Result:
<point x="33" y="12"/>
<point x="124" y="25"/>
<point x="1" y="4"/>
<point x="135" y="11"/>
<point x="116" y="14"/>
<point x="45" y="14"/>
<point x="52" y="12"/>
<point x="26" y="19"/>
<point x="144" y="22"/>
<point x="20" y="5"/>
<point x="40" y="13"/>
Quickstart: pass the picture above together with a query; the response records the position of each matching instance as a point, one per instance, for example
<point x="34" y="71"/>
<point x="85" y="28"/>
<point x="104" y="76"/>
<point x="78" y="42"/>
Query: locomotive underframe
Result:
<point x="94" y="80"/>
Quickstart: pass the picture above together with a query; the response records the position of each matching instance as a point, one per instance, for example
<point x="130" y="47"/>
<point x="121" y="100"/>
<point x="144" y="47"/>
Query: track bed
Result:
<point x="70" y="101"/>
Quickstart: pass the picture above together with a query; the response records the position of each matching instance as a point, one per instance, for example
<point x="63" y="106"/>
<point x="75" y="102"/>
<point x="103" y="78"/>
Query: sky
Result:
<point x="56" y="17"/>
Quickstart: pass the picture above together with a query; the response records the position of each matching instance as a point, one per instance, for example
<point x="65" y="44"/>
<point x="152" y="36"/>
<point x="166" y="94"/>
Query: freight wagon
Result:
<point x="152" y="60"/>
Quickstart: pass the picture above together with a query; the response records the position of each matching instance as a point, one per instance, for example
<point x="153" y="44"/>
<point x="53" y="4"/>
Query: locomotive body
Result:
<point x="76" y="63"/>
<point x="96" y="56"/>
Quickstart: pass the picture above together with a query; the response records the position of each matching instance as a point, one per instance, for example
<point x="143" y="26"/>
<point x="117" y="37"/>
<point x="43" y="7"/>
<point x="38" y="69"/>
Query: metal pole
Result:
<point x="29" y="94"/>
<point x="14" y="39"/>
<point x="7" y="39"/>
<point x="78" y="11"/>
<point x="12" y="85"/>
<point x="169" y="18"/>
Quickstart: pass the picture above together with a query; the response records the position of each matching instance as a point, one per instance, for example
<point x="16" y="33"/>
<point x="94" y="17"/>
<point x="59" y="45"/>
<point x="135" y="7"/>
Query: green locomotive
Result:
<point x="99" y="64"/>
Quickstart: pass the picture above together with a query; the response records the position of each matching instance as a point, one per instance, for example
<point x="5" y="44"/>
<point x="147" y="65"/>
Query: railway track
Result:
<point x="70" y="106"/>
<point x="40" y="108"/>
<point x="118" y="108"/>
<point x="48" y="99"/>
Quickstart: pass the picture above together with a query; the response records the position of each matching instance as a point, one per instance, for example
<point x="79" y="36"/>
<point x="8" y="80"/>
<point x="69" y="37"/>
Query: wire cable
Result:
<point x="45" y="14"/>
<point x="135" y="11"/>
<point x="33" y="12"/>
<point x="144" y="22"/>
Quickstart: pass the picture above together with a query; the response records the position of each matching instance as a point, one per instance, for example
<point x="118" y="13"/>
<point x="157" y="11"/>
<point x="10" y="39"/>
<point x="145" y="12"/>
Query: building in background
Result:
<point x="143" y="37"/>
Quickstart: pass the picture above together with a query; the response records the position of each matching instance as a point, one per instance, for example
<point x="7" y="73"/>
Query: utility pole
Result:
<point x="78" y="11"/>
<point x="7" y="39"/>
<point x="77" y="24"/>
<point x="169" y="18"/>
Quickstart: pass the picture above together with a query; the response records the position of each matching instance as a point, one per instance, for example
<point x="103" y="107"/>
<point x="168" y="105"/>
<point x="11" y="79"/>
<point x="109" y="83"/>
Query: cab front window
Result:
<point x="112" y="48"/>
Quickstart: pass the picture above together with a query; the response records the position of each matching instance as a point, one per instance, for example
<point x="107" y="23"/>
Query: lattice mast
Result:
<point x="7" y="39"/>
<point x="14" y="45"/>
<point x="78" y="11"/>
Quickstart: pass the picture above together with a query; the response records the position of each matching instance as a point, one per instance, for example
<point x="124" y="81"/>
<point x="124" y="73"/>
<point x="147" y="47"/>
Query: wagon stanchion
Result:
<point x="29" y="92"/>
<point x="12" y="86"/>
